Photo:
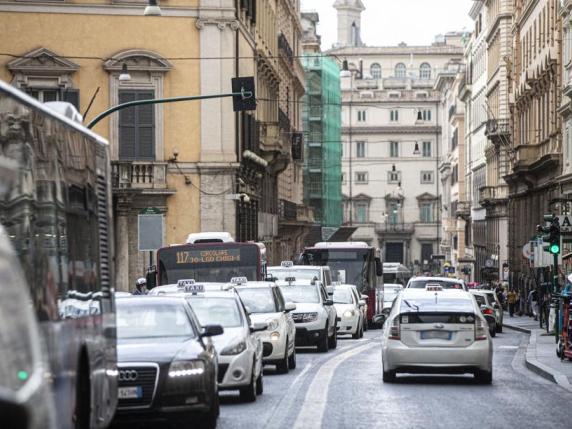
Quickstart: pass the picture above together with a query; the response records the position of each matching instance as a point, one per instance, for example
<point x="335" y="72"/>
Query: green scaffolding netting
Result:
<point x="323" y="149"/>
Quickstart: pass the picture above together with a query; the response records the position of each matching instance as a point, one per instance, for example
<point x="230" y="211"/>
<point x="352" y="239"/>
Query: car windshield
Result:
<point x="258" y="300"/>
<point x="216" y="311"/>
<point x="152" y="320"/>
<point x="342" y="296"/>
<point x="281" y="274"/>
<point x="300" y="294"/>
<point x="445" y="284"/>
<point x="389" y="293"/>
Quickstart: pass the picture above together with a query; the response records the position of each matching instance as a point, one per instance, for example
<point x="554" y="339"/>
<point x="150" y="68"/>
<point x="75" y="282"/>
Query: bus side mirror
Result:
<point x="378" y="267"/>
<point x="151" y="277"/>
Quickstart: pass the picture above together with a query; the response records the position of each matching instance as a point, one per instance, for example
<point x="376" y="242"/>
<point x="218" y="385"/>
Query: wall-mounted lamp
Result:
<point x="124" y="76"/>
<point x="175" y="156"/>
<point x="393" y="168"/>
<point x="416" y="150"/>
<point x="152" y="9"/>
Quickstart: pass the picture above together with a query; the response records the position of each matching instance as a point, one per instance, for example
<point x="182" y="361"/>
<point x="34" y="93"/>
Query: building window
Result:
<point x="361" y="210"/>
<point x="361" y="177"/>
<point x="393" y="217"/>
<point x="455" y="175"/>
<point x="426" y="212"/>
<point x="426" y="177"/>
<point x="424" y="115"/>
<point x="426" y="149"/>
<point x="426" y="253"/>
<point x="400" y="70"/>
<point x="393" y="149"/>
<point x="375" y="71"/>
<point x="360" y="149"/>
<point x="136" y="126"/>
<point x="361" y="115"/>
<point x="393" y="176"/>
<point x="425" y="71"/>
<point x="394" y="115"/>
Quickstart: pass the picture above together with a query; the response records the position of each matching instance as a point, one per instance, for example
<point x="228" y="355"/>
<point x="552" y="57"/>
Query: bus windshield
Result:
<point x="209" y="262"/>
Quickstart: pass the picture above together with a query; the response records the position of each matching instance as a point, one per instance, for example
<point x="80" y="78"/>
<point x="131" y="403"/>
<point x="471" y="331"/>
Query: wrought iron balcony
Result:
<point x="395" y="228"/>
<point x="139" y="175"/>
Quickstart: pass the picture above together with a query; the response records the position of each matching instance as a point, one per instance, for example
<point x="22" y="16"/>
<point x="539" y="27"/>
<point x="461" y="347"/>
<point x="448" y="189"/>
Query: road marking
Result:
<point x="317" y="395"/>
<point x="508" y="347"/>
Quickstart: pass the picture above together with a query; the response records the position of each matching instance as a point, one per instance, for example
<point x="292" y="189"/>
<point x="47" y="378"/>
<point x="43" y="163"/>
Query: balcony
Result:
<point x="498" y="131"/>
<point x="269" y="134"/>
<point x="463" y="209"/>
<point x="139" y="175"/>
<point x="287" y="210"/>
<point x="395" y="228"/>
<point x="490" y="195"/>
<point x="366" y="84"/>
<point x="285" y="49"/>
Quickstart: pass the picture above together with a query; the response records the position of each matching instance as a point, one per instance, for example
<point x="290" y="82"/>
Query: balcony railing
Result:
<point x="497" y="128"/>
<point x="287" y="210"/>
<point x="395" y="228"/>
<point x="491" y="194"/>
<point x="139" y="175"/>
<point x="463" y="208"/>
<point x="284" y="46"/>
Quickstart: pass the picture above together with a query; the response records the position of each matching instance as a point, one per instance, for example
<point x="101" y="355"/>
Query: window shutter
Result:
<point x="127" y="127"/>
<point x="71" y="96"/>
<point x="145" y="116"/>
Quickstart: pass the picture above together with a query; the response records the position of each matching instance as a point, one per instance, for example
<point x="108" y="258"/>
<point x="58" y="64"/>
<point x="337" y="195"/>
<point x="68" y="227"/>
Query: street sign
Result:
<point x="150" y="211"/>
<point x="565" y="223"/>
<point x="246" y="101"/>
<point x="150" y="232"/>
<point x="437" y="256"/>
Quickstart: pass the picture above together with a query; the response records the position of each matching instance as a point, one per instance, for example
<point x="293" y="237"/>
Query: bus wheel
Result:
<point x="83" y="396"/>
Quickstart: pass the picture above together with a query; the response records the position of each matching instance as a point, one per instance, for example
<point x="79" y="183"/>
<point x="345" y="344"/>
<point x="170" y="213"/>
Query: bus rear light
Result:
<point x="395" y="329"/>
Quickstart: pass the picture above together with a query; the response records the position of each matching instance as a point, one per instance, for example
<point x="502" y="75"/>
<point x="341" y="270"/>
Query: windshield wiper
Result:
<point x="414" y="306"/>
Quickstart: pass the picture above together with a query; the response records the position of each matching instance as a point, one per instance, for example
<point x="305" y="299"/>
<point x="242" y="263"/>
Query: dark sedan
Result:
<point x="167" y="369"/>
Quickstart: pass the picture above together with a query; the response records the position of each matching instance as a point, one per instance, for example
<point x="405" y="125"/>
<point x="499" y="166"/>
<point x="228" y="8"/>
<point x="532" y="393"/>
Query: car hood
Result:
<point x="263" y="317"/>
<point x="230" y="336"/>
<point x="340" y="308"/>
<point x="157" y="349"/>
<point x="302" y="307"/>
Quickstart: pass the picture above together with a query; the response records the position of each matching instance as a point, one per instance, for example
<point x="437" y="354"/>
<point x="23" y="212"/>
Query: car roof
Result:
<point x="255" y="285"/>
<point x="482" y="291"/>
<point x="441" y="279"/>
<point x="213" y="294"/>
<point x="298" y="267"/>
<point x="141" y="299"/>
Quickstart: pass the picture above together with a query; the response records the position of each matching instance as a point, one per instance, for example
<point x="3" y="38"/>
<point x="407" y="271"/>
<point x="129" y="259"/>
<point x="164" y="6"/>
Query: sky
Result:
<point x="389" y="22"/>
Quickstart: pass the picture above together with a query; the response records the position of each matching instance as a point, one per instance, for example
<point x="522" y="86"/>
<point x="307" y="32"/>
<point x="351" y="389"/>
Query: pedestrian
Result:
<point x="511" y="297"/>
<point x="141" y="287"/>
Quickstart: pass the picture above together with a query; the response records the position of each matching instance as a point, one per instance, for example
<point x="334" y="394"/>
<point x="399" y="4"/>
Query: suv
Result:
<point x="306" y="273"/>
<point x="315" y="316"/>
<point x="444" y="282"/>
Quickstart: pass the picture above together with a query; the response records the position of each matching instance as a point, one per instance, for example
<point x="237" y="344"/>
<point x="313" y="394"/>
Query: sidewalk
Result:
<point x="541" y="351"/>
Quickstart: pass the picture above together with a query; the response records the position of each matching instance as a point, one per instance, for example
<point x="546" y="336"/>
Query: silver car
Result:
<point x="435" y="330"/>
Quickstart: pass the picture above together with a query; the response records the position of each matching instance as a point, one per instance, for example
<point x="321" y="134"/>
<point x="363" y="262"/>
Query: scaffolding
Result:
<point x="323" y="148"/>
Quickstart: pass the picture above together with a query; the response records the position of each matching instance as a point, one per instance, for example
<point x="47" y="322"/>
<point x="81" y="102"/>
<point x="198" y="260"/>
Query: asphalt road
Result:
<point x="343" y="389"/>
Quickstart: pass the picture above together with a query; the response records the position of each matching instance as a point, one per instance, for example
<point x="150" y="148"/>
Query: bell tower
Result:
<point x="349" y="22"/>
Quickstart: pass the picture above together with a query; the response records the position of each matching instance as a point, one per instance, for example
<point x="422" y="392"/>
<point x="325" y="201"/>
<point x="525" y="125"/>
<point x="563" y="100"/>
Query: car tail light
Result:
<point x="487" y="311"/>
<point x="481" y="329"/>
<point x="395" y="329"/>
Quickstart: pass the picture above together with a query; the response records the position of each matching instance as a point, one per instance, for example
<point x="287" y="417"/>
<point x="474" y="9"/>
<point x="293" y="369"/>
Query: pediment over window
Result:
<point x="42" y="61"/>
<point x="426" y="197"/>
<point x="361" y="197"/>
<point x="138" y="60"/>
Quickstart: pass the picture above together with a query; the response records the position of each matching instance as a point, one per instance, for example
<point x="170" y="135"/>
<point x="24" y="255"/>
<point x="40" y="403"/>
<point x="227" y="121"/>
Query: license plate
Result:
<point x="435" y="335"/>
<point x="130" y="392"/>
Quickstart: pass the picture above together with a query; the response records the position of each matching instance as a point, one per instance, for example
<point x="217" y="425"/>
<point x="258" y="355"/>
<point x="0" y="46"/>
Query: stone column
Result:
<point x="122" y="251"/>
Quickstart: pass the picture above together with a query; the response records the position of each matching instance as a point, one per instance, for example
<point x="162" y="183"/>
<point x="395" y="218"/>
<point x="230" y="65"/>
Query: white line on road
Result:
<point x="312" y="412"/>
<point x="508" y="347"/>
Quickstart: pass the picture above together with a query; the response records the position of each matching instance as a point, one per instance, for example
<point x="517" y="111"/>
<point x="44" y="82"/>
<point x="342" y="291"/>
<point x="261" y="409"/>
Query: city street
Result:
<point x="344" y="389"/>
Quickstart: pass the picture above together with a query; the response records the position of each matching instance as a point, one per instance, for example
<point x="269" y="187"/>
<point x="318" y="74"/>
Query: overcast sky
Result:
<point x="389" y="22"/>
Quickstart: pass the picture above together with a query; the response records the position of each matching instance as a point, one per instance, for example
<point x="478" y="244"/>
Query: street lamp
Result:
<point x="124" y="76"/>
<point x="152" y="9"/>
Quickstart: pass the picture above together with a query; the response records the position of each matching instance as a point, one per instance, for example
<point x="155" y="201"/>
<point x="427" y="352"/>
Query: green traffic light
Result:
<point x="554" y="249"/>
<point x="23" y="375"/>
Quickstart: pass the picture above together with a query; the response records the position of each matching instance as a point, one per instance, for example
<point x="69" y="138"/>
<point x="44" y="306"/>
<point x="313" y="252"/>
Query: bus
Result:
<point x="354" y="263"/>
<point x="396" y="273"/>
<point x="208" y="257"/>
<point x="56" y="213"/>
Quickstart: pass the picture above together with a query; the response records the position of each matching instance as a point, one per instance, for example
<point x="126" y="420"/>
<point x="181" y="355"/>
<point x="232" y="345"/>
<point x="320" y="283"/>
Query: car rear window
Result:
<point x="438" y="318"/>
<point x="420" y="284"/>
<point x="436" y="304"/>
<point x="481" y="300"/>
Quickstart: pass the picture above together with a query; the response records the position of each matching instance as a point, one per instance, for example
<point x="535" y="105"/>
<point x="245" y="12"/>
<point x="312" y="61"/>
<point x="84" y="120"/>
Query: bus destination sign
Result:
<point x="211" y="256"/>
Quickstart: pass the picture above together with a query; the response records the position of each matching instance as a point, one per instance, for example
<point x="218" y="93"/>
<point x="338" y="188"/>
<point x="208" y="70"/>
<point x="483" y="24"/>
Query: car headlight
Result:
<point x="275" y="336"/>
<point x="272" y="324"/>
<point x="184" y="368"/>
<point x="309" y="317"/>
<point x="234" y="348"/>
<point x="348" y="314"/>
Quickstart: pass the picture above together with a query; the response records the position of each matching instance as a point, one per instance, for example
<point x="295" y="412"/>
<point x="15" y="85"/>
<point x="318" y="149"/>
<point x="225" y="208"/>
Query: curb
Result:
<point x="535" y="365"/>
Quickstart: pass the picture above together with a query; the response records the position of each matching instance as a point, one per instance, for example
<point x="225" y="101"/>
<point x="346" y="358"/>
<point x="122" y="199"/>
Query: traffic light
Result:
<point x="551" y="234"/>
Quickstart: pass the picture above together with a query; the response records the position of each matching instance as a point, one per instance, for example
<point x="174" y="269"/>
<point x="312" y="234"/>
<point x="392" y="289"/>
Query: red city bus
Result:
<point x="354" y="263"/>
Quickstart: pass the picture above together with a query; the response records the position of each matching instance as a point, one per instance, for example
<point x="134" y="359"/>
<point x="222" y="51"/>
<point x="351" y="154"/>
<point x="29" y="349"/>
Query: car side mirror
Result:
<point x="212" y="330"/>
<point x="364" y="297"/>
<point x="289" y="306"/>
<point x="14" y="414"/>
<point x="330" y="290"/>
<point x="257" y="327"/>
<point x="329" y="302"/>
<point x="151" y="277"/>
<point x="361" y="302"/>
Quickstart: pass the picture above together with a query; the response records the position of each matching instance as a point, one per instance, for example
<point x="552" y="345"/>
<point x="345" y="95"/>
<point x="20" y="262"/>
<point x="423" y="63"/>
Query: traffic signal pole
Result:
<point x="552" y="236"/>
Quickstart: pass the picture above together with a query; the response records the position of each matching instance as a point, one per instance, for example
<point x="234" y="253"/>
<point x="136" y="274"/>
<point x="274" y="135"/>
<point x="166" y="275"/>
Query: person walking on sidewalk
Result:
<point x="511" y="298"/>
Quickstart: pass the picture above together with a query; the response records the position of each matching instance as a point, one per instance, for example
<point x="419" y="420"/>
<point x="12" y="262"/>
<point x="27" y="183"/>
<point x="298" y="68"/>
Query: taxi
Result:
<point x="349" y="310"/>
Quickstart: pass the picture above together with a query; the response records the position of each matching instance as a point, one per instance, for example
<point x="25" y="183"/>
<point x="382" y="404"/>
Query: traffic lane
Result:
<point x="358" y="397"/>
<point x="283" y="396"/>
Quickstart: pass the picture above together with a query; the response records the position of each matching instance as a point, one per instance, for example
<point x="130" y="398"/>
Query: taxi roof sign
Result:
<point x="287" y="264"/>
<point x="184" y="282"/>
<point x="239" y="280"/>
<point x="290" y="279"/>
<point x="433" y="287"/>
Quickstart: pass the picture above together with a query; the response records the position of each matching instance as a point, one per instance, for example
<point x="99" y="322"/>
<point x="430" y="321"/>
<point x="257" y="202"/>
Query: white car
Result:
<point x="390" y="292"/>
<point x="349" y="310"/>
<point x="434" y="330"/>
<point x="302" y="273"/>
<point x="265" y="303"/>
<point x="315" y="316"/>
<point x="445" y="282"/>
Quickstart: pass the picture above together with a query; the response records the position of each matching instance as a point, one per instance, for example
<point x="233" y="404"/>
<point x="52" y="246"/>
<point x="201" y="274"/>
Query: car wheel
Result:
<point x="358" y="331"/>
<point x="248" y="393"/>
<point x="361" y="332"/>
<point x="282" y="365"/>
<point x="333" y="340"/>
<point x="259" y="384"/>
<point x="493" y="331"/>
<point x="365" y="328"/>
<point x="323" y="343"/>
<point x="389" y="376"/>
<point x="499" y="328"/>
<point x="292" y="359"/>
<point x="484" y="377"/>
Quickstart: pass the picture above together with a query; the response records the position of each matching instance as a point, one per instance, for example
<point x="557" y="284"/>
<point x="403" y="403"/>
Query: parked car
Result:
<point x="485" y="303"/>
<point x="167" y="367"/>
<point x="444" y="282"/>
<point x="348" y="308"/>
<point x="266" y="304"/>
<point x="315" y="316"/>
<point x="436" y="330"/>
